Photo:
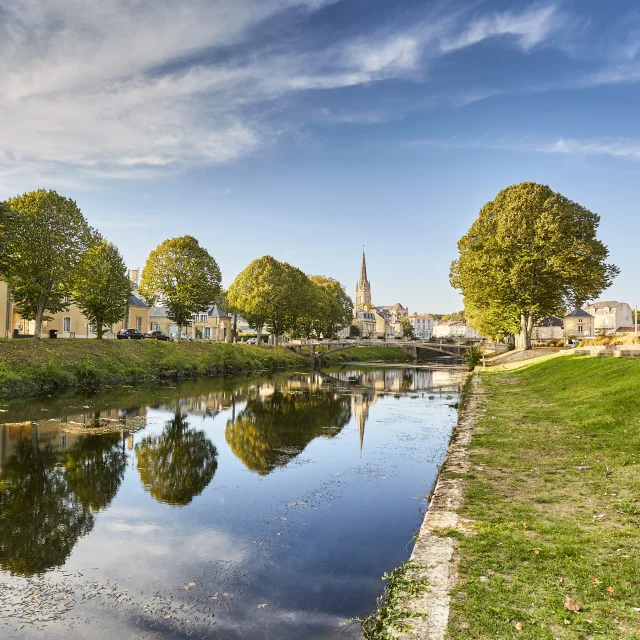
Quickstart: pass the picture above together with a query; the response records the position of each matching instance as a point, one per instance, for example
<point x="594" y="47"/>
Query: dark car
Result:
<point x="129" y="334"/>
<point x="157" y="335"/>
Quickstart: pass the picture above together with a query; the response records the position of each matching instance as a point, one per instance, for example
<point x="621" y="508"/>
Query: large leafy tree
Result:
<point x="44" y="237"/>
<point x="184" y="276"/>
<point x="407" y="328"/>
<point x="178" y="464"/>
<point x="336" y="307"/>
<point x="270" y="293"/>
<point x="531" y="253"/>
<point x="101" y="286"/>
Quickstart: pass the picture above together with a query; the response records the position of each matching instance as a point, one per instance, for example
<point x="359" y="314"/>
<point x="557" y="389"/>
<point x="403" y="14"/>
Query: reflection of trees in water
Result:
<point x="178" y="464"/>
<point x="271" y="431"/>
<point x="95" y="468"/>
<point x="47" y="499"/>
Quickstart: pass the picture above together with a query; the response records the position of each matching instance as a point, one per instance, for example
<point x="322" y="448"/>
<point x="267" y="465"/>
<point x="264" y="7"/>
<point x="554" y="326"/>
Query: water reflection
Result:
<point x="273" y="429"/>
<point x="48" y="496"/>
<point x="178" y="464"/>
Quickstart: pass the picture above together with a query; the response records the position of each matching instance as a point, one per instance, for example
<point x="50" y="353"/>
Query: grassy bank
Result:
<point x="31" y="367"/>
<point x="554" y="494"/>
<point x="368" y="354"/>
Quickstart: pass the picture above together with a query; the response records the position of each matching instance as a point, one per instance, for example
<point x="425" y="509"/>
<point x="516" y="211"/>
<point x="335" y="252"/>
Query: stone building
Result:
<point x="549" y="328"/>
<point x="422" y="325"/>
<point x="363" y="287"/>
<point x="609" y="315"/>
<point x="579" y="324"/>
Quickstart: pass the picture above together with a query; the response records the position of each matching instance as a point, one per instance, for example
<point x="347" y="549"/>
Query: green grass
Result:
<point x="368" y="354"/>
<point x="33" y="367"/>
<point x="554" y="490"/>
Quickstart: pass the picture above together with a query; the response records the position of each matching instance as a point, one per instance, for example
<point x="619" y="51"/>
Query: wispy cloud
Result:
<point x="128" y="90"/>
<point x="624" y="149"/>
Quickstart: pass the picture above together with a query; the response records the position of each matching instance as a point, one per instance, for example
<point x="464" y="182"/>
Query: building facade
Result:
<point x="422" y="325"/>
<point x="454" y="329"/>
<point x="213" y="324"/>
<point x="549" y="328"/>
<point x="363" y="287"/>
<point x="579" y="324"/>
<point x="609" y="315"/>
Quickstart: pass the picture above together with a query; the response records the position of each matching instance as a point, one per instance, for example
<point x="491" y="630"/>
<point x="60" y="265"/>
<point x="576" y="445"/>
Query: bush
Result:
<point x="473" y="357"/>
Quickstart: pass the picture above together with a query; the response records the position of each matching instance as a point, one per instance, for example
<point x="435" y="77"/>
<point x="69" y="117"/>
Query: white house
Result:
<point x="609" y="315"/>
<point x="422" y="325"/>
<point x="454" y="329"/>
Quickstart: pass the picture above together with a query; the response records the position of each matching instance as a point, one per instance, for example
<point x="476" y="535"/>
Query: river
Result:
<point x="260" y="508"/>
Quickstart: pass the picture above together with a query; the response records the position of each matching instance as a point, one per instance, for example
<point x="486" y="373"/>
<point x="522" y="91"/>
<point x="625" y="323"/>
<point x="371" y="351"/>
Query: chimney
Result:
<point x="135" y="276"/>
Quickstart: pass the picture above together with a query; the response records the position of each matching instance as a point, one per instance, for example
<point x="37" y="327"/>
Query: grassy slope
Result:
<point x="554" y="493"/>
<point x="29" y="367"/>
<point x="368" y="354"/>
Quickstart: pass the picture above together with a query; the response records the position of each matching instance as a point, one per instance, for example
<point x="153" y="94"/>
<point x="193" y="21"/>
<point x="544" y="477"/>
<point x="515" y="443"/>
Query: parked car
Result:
<point x="129" y="334"/>
<point x="252" y="341"/>
<point x="183" y="336"/>
<point x="157" y="335"/>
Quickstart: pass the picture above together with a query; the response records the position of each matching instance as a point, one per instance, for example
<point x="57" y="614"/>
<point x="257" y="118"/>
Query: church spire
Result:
<point x="363" y="269"/>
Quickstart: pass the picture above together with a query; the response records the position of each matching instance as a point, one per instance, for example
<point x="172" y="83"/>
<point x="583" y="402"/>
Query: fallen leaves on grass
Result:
<point x="518" y="626"/>
<point x="571" y="604"/>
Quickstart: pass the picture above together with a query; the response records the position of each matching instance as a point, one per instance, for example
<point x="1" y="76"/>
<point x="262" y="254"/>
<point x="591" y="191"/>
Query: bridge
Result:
<point x="316" y="349"/>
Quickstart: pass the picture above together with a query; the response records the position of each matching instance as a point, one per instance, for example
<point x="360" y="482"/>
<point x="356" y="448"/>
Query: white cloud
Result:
<point x="95" y="89"/>
<point x="624" y="149"/>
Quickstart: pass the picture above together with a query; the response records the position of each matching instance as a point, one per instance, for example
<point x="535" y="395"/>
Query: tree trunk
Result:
<point x="234" y="333"/>
<point x="523" y="340"/>
<point x="37" y="332"/>
<point x="99" y="329"/>
<point x="258" y="334"/>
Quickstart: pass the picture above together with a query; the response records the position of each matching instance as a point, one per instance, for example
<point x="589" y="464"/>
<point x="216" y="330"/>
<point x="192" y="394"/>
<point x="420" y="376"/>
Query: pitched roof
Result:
<point x="578" y="313"/>
<point x="157" y="312"/>
<point x="136" y="302"/>
<point x="612" y="304"/>
<point x="550" y="321"/>
<point x="217" y="312"/>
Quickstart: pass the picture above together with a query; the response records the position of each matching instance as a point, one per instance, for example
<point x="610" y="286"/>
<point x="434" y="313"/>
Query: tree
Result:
<point x="354" y="331"/>
<point x="101" y="286"/>
<point x="178" y="464"/>
<point x="336" y="307"/>
<point x="270" y="293"/>
<point x="498" y="322"/>
<point x="530" y="253"/>
<point x="45" y="236"/>
<point x="184" y="276"/>
<point x="407" y="328"/>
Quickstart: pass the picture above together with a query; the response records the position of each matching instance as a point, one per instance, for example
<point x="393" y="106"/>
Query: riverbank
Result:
<point x="31" y="367"/>
<point x="541" y="519"/>
<point x="368" y="354"/>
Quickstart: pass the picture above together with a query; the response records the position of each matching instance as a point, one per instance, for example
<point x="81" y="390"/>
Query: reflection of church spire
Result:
<point x="360" y="408"/>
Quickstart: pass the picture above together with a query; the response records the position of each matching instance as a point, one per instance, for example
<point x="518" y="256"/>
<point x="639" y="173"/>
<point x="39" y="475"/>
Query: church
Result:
<point x="375" y="322"/>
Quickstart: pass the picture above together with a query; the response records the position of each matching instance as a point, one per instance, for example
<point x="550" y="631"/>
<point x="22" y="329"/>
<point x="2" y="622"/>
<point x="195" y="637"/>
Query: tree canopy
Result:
<point x="178" y="464"/>
<point x="184" y="276"/>
<point x="44" y="236"/>
<point x="101" y="286"/>
<point x="530" y="253"/>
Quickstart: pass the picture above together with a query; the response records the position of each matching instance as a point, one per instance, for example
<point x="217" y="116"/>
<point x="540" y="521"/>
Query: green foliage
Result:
<point x="101" y="286"/>
<point x="530" y="253"/>
<point x="407" y="328"/>
<point x="554" y="502"/>
<point x="354" y="331"/>
<point x="273" y="294"/>
<point x="472" y="356"/>
<point x="184" y="276"/>
<point x="390" y="617"/>
<point x="44" y="238"/>
<point x="26" y="368"/>
<point x="178" y="464"/>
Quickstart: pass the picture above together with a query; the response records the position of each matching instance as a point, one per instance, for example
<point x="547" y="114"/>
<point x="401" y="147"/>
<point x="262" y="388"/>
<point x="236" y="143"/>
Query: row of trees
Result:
<point x="530" y="253"/>
<point x="49" y="254"/>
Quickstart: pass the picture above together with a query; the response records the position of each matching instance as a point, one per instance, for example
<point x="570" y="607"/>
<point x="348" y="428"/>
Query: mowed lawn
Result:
<point x="554" y="493"/>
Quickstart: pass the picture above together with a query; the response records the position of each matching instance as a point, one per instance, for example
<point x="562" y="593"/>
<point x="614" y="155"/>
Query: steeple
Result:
<point x="363" y="287"/>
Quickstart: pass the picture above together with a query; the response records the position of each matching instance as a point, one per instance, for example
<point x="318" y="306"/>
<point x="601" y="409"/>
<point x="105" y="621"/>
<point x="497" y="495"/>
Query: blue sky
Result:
<point x="307" y="128"/>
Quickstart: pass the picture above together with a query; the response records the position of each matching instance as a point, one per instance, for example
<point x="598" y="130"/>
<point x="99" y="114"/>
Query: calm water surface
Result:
<point x="253" y="508"/>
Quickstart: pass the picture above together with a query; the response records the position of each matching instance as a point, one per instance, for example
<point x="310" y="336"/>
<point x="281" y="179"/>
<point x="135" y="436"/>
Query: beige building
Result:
<point x="454" y="329"/>
<point x="549" y="328"/>
<point x="366" y="322"/>
<point x="69" y="323"/>
<point x="579" y="324"/>
<point x="213" y="324"/>
<point x="609" y="315"/>
<point x="422" y="325"/>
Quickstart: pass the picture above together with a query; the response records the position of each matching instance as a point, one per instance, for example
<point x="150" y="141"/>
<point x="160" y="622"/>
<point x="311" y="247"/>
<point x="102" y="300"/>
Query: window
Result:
<point x="156" y="327"/>
<point x="580" y="328"/>
<point x="66" y="324"/>
<point x="203" y="317"/>
<point x="138" y="323"/>
<point x="207" y="333"/>
<point x="92" y="328"/>
<point x="580" y="321"/>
